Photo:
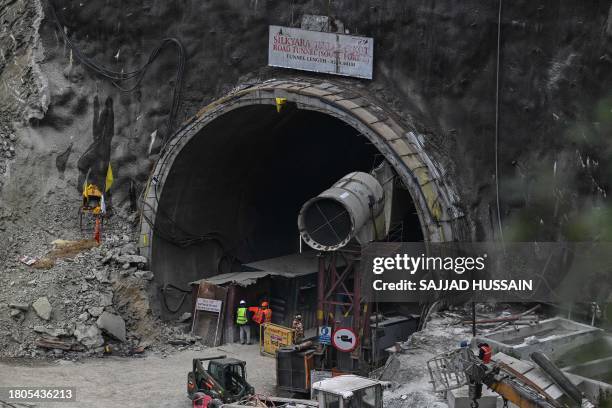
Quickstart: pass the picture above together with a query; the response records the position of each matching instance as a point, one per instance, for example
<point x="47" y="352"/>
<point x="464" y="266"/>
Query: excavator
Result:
<point x="94" y="205"/>
<point x="463" y="367"/>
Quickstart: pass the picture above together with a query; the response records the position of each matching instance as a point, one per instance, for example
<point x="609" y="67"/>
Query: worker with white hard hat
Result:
<point x="242" y="320"/>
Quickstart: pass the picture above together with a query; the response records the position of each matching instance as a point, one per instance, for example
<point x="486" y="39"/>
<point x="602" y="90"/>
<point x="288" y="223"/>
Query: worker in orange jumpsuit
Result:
<point x="261" y="314"/>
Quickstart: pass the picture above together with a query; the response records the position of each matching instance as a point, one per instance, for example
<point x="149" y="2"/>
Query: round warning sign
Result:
<point x="344" y="339"/>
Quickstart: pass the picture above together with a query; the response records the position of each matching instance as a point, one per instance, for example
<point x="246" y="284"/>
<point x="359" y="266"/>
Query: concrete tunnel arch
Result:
<point x="398" y="142"/>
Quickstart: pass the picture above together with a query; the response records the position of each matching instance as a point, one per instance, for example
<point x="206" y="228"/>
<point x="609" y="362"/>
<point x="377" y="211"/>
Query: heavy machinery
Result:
<point x="462" y="367"/>
<point x="349" y="391"/>
<point x="343" y="391"/>
<point x="92" y="210"/>
<point x="224" y="379"/>
<point x="95" y="206"/>
<point x="337" y="222"/>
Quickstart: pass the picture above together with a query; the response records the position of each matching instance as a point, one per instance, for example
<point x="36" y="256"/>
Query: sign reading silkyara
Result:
<point x="316" y="51"/>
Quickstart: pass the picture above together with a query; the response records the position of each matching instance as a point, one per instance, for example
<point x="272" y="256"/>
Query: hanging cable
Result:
<point x="499" y="222"/>
<point x="184" y="239"/>
<point x="176" y="235"/>
<point x="117" y="78"/>
<point x="184" y="295"/>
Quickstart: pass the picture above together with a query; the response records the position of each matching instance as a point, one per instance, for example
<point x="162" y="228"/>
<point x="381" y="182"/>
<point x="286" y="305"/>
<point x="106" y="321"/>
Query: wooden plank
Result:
<point x="56" y="343"/>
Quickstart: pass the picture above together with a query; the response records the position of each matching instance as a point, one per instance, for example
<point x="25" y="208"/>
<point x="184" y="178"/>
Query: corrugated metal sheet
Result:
<point x="288" y="266"/>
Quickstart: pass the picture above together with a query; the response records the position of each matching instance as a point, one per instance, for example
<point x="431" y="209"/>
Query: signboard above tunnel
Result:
<point x="316" y="51"/>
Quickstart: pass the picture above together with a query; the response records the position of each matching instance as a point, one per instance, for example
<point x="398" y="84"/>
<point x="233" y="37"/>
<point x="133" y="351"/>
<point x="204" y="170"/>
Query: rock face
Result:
<point x="434" y="66"/>
<point x="42" y="307"/>
<point x="113" y="325"/>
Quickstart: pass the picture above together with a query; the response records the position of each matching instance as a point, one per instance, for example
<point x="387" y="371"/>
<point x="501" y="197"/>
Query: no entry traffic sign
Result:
<point x="344" y="339"/>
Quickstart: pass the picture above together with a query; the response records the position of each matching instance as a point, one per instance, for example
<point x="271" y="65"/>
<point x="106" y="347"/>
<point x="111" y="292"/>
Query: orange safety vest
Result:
<point x="257" y="314"/>
<point x="261" y="315"/>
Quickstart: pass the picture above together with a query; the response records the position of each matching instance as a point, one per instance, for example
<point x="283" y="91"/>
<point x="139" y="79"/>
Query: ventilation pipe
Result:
<point x="351" y="208"/>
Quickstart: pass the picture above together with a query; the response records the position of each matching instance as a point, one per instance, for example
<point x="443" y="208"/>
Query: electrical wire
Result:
<point x="165" y="298"/>
<point x="117" y="77"/>
<point x="499" y="222"/>
<point x="187" y="238"/>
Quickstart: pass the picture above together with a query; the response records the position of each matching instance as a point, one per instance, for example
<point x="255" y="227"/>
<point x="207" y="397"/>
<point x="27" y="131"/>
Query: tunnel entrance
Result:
<point x="229" y="188"/>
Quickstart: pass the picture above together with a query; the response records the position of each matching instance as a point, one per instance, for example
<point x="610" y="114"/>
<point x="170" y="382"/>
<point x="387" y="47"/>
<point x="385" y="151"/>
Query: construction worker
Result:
<point x="298" y="328"/>
<point x="484" y="352"/>
<point x="242" y="320"/>
<point x="262" y="314"/>
<point x="267" y="312"/>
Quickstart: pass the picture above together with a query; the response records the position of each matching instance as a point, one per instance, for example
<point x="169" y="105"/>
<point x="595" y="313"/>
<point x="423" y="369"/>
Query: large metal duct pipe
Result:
<point x="351" y="208"/>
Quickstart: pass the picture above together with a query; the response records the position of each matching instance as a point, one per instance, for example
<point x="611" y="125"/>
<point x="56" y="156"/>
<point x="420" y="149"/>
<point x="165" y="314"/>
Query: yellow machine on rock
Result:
<point x="94" y="207"/>
<point x="92" y="199"/>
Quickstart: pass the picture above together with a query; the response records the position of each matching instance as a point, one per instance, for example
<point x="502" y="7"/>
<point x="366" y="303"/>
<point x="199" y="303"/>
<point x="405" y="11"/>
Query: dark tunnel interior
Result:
<point x="234" y="192"/>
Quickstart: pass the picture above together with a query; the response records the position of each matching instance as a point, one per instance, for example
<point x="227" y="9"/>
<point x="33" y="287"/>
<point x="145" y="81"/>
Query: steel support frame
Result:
<point x="335" y="281"/>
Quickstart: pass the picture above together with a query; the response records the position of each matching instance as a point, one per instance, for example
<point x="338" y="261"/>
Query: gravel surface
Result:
<point x="151" y="381"/>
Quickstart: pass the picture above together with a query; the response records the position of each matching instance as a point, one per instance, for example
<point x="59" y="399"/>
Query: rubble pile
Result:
<point x="444" y="331"/>
<point x="409" y="375"/>
<point x="8" y="141"/>
<point x="90" y="303"/>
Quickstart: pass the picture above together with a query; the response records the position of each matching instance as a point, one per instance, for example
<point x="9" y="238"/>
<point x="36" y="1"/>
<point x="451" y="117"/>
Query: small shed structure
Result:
<point x="288" y="283"/>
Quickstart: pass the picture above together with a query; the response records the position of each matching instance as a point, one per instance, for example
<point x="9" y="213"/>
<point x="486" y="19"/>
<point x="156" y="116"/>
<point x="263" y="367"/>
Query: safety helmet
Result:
<point x="264" y="304"/>
<point x="242" y="302"/>
<point x="298" y="316"/>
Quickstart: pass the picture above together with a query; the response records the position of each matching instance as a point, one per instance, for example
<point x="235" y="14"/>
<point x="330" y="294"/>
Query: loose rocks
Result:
<point x="95" y="311"/>
<point x="21" y="306"/>
<point x="16" y="314"/>
<point x="42" y="307"/>
<point x="113" y="325"/>
<point x="89" y="336"/>
<point x="146" y="275"/>
<point x="138" y="260"/>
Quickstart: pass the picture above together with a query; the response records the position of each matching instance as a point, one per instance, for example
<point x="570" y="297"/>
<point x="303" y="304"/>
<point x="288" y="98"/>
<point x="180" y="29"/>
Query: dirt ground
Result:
<point x="131" y="382"/>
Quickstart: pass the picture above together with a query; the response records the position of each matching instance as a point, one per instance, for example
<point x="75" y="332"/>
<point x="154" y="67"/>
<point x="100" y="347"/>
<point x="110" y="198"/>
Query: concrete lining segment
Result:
<point x="311" y="90"/>
<point x="347" y="103"/>
<point x="436" y="214"/>
<point x="400" y="147"/>
<point x="385" y="131"/>
<point x="365" y="115"/>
